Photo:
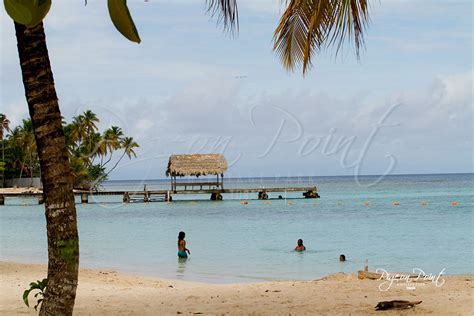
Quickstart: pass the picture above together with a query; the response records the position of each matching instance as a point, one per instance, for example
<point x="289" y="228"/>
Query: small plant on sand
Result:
<point x="38" y="285"/>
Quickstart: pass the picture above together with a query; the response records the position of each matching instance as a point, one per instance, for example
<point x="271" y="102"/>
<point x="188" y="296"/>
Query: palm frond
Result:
<point x="291" y="34"/>
<point x="226" y="13"/>
<point x="349" y="21"/>
<point x="309" y="26"/>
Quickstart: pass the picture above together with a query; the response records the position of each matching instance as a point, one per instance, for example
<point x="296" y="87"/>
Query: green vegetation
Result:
<point x="20" y="157"/>
<point x="67" y="250"/>
<point x="4" y="127"/>
<point x="38" y="285"/>
<point x="90" y="152"/>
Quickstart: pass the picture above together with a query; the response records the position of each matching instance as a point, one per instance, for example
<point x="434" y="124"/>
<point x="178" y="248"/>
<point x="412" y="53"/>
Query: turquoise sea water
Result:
<point x="231" y="242"/>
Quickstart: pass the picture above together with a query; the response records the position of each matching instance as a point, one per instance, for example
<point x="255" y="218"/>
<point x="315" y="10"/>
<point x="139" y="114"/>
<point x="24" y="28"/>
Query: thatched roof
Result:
<point x="196" y="165"/>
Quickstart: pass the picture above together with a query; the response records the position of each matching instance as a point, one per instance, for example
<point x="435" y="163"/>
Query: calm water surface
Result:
<point x="231" y="242"/>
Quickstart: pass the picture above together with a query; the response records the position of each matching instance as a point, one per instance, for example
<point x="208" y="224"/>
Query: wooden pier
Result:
<point x="189" y="165"/>
<point x="167" y="195"/>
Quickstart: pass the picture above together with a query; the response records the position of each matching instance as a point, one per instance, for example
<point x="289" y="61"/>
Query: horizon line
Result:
<point x="313" y="176"/>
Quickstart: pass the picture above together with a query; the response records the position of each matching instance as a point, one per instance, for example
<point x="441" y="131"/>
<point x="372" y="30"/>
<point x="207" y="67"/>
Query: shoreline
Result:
<point x="108" y="292"/>
<point x="238" y="280"/>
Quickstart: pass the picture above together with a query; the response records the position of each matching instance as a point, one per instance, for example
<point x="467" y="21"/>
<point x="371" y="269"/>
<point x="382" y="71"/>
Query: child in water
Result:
<point x="300" y="246"/>
<point x="182" y="246"/>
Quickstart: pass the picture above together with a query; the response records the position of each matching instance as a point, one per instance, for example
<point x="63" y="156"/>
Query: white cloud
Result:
<point x="433" y="121"/>
<point x="15" y="112"/>
<point x="456" y="90"/>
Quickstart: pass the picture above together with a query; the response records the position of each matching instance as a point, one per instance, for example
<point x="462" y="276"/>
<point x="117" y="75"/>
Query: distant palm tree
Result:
<point x="112" y="139"/>
<point x="77" y="132"/>
<point x="92" y="148"/>
<point x="4" y="127"/>
<point x="79" y="170"/>
<point x="128" y="145"/>
<point x="81" y="134"/>
<point x="89" y="120"/>
<point x="15" y="148"/>
<point x="26" y="141"/>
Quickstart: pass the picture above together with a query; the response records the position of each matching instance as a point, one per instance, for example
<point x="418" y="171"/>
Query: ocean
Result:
<point x="402" y="223"/>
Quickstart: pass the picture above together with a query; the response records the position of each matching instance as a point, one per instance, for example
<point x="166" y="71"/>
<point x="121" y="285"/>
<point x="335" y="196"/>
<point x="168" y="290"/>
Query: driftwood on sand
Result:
<point x="397" y="304"/>
<point x="368" y="275"/>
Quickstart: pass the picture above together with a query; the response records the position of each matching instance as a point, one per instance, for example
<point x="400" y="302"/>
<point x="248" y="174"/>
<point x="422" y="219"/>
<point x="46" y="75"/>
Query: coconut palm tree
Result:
<point x="128" y="145"/>
<point x="26" y="141"/>
<point x="112" y="140"/>
<point x="57" y="179"/>
<point x="81" y="134"/>
<point x="77" y="132"/>
<point x="15" y="150"/>
<point x="85" y="144"/>
<point x="4" y="127"/>
<point x="80" y="172"/>
<point x="89" y="121"/>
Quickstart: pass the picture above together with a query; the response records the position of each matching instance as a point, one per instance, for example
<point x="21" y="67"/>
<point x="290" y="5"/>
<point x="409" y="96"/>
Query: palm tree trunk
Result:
<point x="115" y="166"/>
<point x="61" y="221"/>
<point x="32" y="169"/>
<point x="22" y="167"/>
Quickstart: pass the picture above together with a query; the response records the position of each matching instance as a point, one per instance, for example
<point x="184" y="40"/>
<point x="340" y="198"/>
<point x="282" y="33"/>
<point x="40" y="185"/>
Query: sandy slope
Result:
<point x="103" y="292"/>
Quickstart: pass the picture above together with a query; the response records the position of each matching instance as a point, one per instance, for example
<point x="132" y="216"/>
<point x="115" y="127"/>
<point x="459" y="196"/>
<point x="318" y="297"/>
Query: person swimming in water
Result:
<point x="300" y="246"/>
<point x="182" y="246"/>
<point x="342" y="258"/>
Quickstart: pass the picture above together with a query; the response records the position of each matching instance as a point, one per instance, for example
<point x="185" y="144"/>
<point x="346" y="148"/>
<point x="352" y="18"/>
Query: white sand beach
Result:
<point x="105" y="292"/>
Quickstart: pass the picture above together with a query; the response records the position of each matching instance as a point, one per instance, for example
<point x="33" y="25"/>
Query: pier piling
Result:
<point x="311" y="194"/>
<point x="84" y="198"/>
<point x="146" y="195"/>
<point x="168" y="197"/>
<point x="262" y="195"/>
<point x="2" y="199"/>
<point x="216" y="196"/>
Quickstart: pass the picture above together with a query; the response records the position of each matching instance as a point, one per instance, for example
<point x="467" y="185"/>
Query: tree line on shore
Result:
<point x="92" y="154"/>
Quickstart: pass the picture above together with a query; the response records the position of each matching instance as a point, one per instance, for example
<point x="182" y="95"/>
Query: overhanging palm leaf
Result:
<point x="309" y="26"/>
<point x="226" y="12"/>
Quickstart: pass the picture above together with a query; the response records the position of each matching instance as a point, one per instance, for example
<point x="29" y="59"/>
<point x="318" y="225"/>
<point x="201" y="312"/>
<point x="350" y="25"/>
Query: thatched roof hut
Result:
<point x="196" y="165"/>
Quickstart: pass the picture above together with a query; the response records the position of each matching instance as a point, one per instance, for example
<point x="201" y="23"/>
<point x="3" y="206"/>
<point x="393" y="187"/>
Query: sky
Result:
<point x="406" y="106"/>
